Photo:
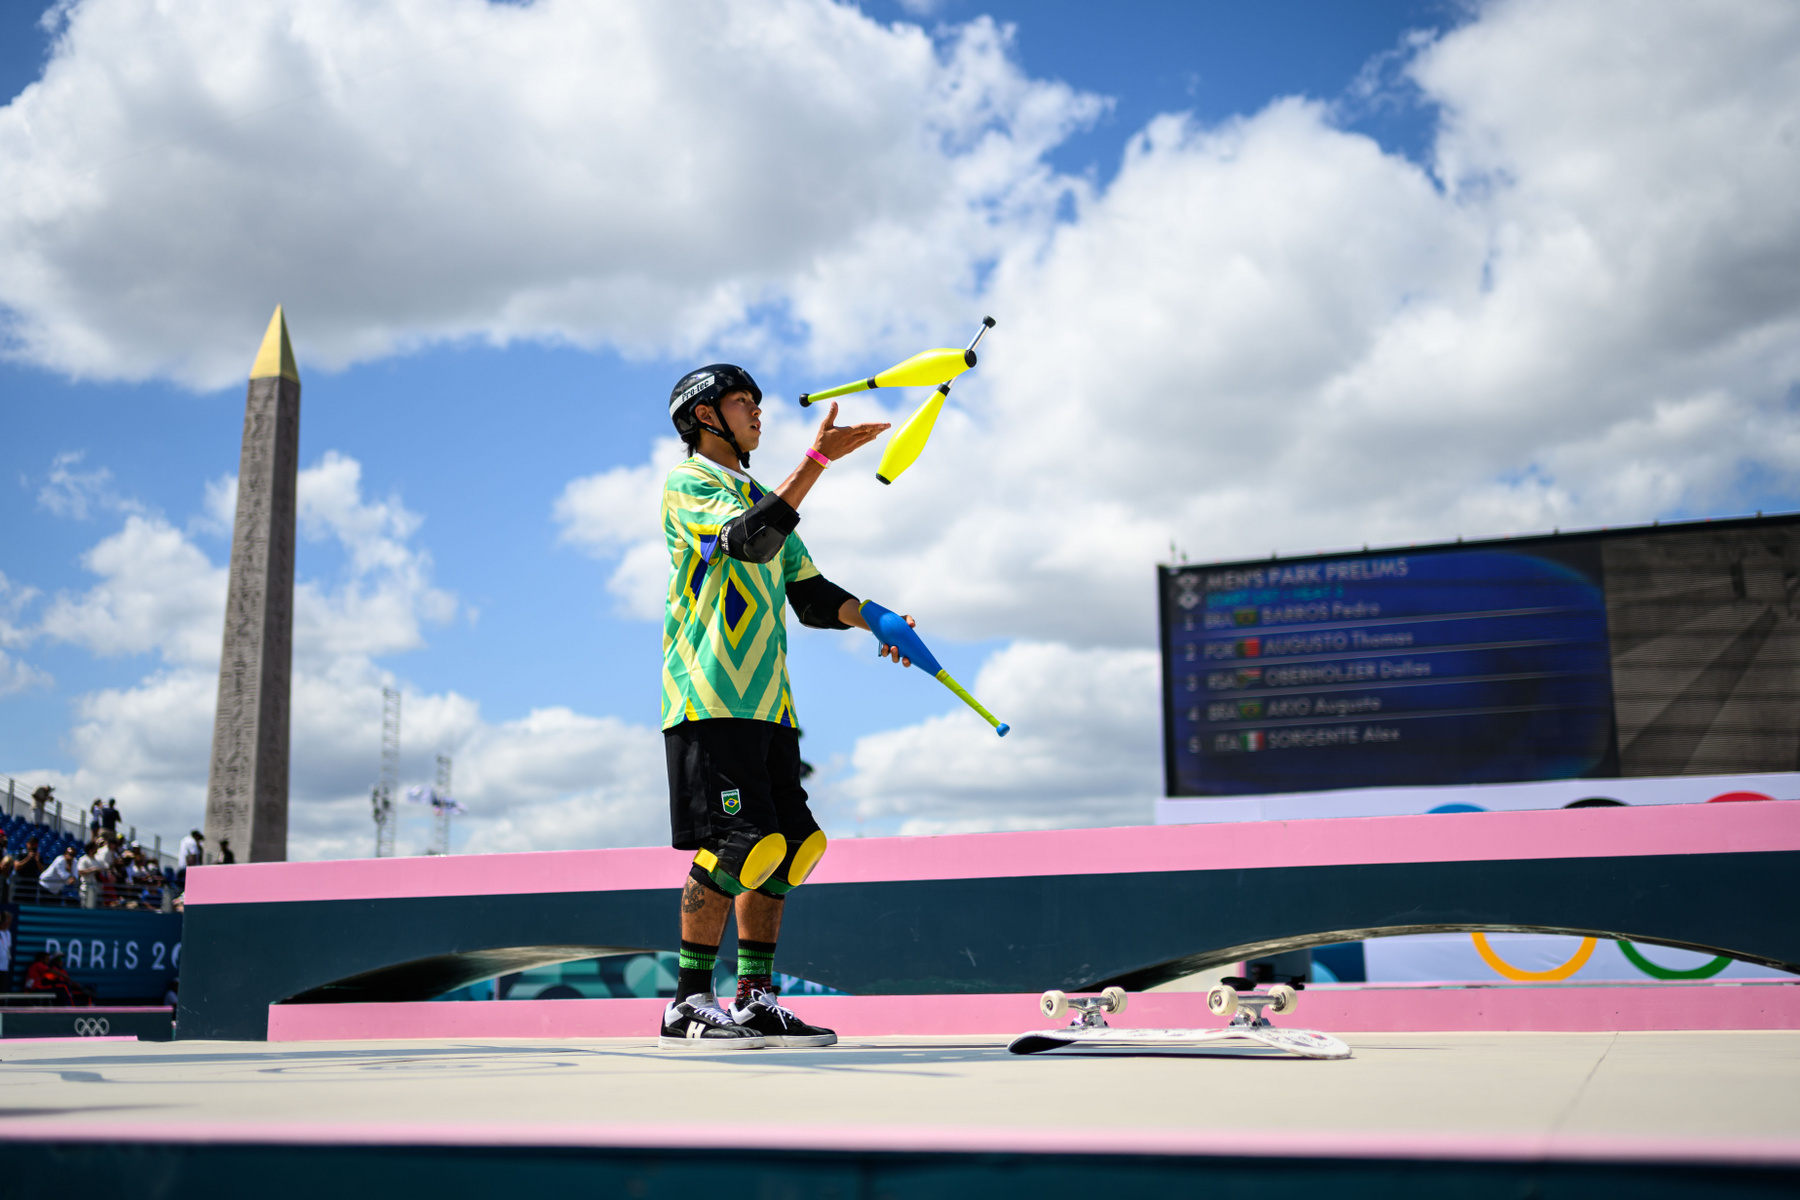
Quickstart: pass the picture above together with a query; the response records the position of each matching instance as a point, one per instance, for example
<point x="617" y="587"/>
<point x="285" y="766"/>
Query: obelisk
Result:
<point x="247" y="787"/>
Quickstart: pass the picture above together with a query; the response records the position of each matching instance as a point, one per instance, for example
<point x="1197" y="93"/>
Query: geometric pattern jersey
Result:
<point x="725" y="623"/>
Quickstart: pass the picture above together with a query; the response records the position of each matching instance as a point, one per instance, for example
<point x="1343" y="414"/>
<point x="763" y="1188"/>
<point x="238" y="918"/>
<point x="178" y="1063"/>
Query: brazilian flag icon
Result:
<point x="730" y="802"/>
<point x="1244" y="616"/>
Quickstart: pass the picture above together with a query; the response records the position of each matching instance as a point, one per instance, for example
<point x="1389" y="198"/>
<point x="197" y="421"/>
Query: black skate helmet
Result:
<point x="709" y="385"/>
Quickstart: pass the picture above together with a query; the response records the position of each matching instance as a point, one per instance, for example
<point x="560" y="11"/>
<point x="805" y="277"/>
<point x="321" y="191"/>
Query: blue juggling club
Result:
<point x="891" y="629"/>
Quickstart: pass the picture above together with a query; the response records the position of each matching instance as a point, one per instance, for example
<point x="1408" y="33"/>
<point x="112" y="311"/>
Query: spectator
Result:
<point x="41" y="800"/>
<point x="46" y="974"/>
<point x="191" y="854"/>
<point x="225" y="854"/>
<point x="112" y="867"/>
<point x="6" y="877"/>
<point x="91" y="870"/>
<point x="109" y="816"/>
<point x="6" y="945"/>
<point x="94" y="816"/>
<point x="28" y="864"/>
<point x="60" y="874"/>
<point x="150" y="887"/>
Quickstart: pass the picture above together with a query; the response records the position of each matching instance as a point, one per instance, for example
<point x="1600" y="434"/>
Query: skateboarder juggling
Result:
<point x="727" y="707"/>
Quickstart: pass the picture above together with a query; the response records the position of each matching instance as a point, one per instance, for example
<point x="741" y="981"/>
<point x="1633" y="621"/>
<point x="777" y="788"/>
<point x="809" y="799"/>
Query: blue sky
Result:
<point x="1354" y="281"/>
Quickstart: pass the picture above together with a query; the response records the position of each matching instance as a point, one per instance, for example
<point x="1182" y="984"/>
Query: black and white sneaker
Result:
<point x="778" y="1026"/>
<point x="698" y="1023"/>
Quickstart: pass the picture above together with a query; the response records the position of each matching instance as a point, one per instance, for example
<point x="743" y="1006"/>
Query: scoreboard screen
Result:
<point x="1651" y="651"/>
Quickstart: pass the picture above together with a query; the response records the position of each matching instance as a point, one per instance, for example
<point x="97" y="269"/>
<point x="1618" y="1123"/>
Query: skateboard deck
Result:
<point x="1305" y="1042"/>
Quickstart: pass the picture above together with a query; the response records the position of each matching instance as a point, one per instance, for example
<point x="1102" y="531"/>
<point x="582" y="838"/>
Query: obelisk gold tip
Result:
<point x="276" y="357"/>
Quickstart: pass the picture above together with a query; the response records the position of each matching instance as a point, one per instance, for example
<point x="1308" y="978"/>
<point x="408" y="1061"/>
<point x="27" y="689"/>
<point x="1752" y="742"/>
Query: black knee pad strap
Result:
<point x="699" y="875"/>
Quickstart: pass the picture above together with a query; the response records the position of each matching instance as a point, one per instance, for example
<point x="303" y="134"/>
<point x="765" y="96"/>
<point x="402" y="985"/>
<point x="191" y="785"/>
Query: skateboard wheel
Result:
<point x="1054" y="1004"/>
<point x="1286" y="998"/>
<point x="1221" y="1000"/>
<point x="1114" y="999"/>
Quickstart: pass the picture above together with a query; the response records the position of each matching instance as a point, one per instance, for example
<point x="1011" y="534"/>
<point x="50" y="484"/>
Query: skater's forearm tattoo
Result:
<point x="693" y="897"/>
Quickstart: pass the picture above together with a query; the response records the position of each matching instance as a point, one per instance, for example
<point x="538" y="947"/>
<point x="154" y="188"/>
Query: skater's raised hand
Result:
<point x="835" y="441"/>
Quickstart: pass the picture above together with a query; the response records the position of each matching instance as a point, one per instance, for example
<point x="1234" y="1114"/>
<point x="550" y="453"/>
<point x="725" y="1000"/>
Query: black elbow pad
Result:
<point x="758" y="535"/>
<point x="816" y="602"/>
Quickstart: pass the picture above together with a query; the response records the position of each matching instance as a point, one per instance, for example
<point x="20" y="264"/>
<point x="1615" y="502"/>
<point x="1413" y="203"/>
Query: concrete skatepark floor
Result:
<point x="1737" y="1087"/>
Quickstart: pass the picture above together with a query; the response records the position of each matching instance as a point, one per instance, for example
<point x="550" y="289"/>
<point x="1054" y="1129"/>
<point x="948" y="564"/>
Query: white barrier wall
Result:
<point x="1485" y="797"/>
<point x="1505" y="957"/>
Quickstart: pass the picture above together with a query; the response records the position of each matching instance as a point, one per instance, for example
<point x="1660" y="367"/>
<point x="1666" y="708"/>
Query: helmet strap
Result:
<point x="725" y="434"/>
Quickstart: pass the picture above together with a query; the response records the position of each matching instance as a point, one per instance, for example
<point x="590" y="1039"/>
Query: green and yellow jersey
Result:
<point x="724" y="626"/>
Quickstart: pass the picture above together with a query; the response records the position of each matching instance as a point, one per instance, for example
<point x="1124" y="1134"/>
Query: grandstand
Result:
<point x="59" y="831"/>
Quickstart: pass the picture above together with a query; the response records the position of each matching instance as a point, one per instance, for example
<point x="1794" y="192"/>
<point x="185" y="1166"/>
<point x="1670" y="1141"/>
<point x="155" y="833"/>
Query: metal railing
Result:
<point x="149" y="897"/>
<point x="16" y="802"/>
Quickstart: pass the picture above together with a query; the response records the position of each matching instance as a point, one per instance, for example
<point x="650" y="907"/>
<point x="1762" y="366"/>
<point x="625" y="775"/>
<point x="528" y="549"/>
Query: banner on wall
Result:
<point x="124" y="955"/>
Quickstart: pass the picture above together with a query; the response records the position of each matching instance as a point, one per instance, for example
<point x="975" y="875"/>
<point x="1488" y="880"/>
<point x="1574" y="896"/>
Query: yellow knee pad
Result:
<point x="751" y="873"/>
<point x="799" y="865"/>
<point x="806" y="858"/>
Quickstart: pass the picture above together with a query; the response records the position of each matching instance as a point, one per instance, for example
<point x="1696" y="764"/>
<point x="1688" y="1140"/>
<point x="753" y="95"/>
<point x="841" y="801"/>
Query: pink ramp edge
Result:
<point x="929" y="1139"/>
<point x="70" y="1037"/>
<point x="1342" y="1009"/>
<point x="1434" y="837"/>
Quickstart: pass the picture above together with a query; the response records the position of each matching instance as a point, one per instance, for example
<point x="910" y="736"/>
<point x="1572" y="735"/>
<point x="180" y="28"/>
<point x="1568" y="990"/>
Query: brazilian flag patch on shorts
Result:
<point x="730" y="802"/>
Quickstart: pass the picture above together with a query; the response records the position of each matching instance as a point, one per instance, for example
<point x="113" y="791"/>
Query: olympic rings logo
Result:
<point x="1703" y="971"/>
<point x="1579" y="960"/>
<point x="1505" y="969"/>
<point x="91" y="1026"/>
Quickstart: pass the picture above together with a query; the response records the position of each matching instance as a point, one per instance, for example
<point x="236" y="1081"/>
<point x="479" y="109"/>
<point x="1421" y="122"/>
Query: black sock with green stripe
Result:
<point x="697" y="962"/>
<point x="756" y="968"/>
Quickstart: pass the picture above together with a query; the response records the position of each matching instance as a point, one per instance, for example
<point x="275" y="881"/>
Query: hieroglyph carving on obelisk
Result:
<point x="247" y="787"/>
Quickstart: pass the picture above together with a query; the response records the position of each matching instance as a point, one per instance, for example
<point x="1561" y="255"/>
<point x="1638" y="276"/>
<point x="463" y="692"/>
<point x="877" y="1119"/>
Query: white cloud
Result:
<point x="642" y="175"/>
<point x="1084" y="751"/>
<point x="1266" y="334"/>
<point x="558" y="780"/>
<point x="607" y="514"/>
<point x="386" y="596"/>
<point x="69" y="492"/>
<point x="1271" y="335"/>
<point x="554" y="776"/>
<point x="157" y="592"/>
<point x="13" y="600"/>
<point x="17" y="676"/>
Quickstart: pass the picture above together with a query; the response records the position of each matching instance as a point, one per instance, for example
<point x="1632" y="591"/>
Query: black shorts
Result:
<point x="730" y="775"/>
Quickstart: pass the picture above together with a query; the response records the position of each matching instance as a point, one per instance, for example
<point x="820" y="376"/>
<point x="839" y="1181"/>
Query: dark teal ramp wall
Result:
<point x="1011" y="933"/>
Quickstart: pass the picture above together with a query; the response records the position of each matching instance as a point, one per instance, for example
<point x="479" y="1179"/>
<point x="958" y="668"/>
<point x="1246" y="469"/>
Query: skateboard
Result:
<point x="1248" y="1024"/>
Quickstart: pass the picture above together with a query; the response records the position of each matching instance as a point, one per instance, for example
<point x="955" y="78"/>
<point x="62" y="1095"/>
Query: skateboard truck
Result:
<point x="1089" y="1010"/>
<point x="1246" y="1008"/>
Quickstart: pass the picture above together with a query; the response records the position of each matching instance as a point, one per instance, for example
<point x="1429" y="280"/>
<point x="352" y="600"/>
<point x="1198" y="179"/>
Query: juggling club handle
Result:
<point x="1000" y="727"/>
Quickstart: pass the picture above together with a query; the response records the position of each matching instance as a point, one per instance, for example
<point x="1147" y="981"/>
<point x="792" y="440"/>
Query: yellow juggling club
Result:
<point x="904" y="447"/>
<point x="925" y="369"/>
